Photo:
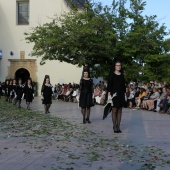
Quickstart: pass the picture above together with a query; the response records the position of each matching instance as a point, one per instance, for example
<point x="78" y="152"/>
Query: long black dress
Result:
<point x="116" y="84"/>
<point x="28" y="91"/>
<point x="0" y="90"/>
<point x="6" y="87"/>
<point x="47" y="94"/>
<point x="14" y="86"/>
<point x="19" y="91"/>
<point x="86" y="90"/>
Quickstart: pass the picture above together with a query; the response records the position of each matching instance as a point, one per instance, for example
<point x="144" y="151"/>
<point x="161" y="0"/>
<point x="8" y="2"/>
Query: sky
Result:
<point x="161" y="8"/>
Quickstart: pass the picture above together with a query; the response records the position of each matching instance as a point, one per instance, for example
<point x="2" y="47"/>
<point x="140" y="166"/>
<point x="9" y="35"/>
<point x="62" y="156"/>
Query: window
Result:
<point x="80" y="3"/>
<point x="23" y="12"/>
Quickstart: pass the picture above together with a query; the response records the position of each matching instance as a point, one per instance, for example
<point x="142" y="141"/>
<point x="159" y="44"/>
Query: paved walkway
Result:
<point x="139" y="128"/>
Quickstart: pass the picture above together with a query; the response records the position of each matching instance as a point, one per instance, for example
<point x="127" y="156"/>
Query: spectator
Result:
<point x="164" y="105"/>
<point x="74" y="95"/>
<point x="139" y="99"/>
<point x="153" y="97"/>
<point x="162" y="96"/>
<point x="147" y="97"/>
<point x="130" y="98"/>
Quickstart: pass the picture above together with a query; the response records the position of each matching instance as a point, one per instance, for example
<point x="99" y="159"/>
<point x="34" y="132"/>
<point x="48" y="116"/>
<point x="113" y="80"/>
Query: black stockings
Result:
<point x="28" y="105"/>
<point x="86" y="114"/>
<point x="116" y="117"/>
<point x="46" y="107"/>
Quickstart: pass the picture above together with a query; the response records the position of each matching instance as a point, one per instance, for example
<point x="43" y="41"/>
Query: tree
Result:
<point x="77" y="37"/>
<point x="99" y="33"/>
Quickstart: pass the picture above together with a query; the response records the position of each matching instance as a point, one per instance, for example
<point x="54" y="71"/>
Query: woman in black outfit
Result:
<point x="47" y="92"/>
<point x="0" y="89"/>
<point x="86" y="93"/>
<point x="29" y="92"/>
<point x="14" y="86"/>
<point x="6" y="89"/>
<point x="19" y="93"/>
<point x="10" y="90"/>
<point x="116" y="84"/>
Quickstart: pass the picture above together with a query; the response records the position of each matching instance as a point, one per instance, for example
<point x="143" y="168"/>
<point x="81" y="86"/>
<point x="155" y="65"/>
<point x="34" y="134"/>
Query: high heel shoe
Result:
<point x="87" y="119"/>
<point x="115" y="129"/>
<point x="118" y="130"/>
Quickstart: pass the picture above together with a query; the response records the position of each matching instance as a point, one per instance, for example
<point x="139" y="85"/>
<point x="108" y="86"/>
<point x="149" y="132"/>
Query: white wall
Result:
<point x="12" y="39"/>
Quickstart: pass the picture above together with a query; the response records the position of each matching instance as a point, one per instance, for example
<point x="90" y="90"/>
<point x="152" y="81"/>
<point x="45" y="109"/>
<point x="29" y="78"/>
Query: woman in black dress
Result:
<point x="46" y="92"/>
<point x="116" y="84"/>
<point x="14" y="86"/>
<point x="19" y="93"/>
<point x="0" y="89"/>
<point x="6" y="89"/>
<point x="86" y="93"/>
<point x="29" y="92"/>
<point x="10" y="90"/>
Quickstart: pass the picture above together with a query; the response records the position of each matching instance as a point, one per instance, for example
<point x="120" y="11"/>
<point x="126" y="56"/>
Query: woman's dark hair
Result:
<point x="30" y="80"/>
<point x="86" y="69"/>
<point x="142" y="90"/>
<point x="19" y="80"/>
<point x="10" y="80"/>
<point x="115" y="60"/>
<point x="46" y="77"/>
<point x="7" y="80"/>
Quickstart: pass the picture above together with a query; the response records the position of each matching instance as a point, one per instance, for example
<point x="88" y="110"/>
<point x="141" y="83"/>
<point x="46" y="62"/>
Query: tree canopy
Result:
<point x="97" y="34"/>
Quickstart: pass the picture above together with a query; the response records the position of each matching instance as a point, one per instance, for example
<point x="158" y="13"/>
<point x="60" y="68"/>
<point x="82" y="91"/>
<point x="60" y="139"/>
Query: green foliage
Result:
<point x="99" y="33"/>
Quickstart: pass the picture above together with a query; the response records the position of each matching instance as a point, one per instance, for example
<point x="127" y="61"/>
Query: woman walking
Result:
<point x="6" y="89"/>
<point x="14" y="86"/>
<point x="19" y="93"/>
<point x="116" y="84"/>
<point x="46" y="92"/>
<point x="29" y="92"/>
<point x="10" y="90"/>
<point x="86" y="94"/>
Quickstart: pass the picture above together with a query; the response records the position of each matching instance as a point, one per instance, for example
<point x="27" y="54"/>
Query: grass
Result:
<point x="73" y="145"/>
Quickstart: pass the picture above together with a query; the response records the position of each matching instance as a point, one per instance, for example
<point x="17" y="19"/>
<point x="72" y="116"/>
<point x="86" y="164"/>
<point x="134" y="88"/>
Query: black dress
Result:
<point x="19" y="92"/>
<point x="86" y="90"/>
<point x="10" y="89"/>
<point x="47" y="94"/>
<point x="6" y="87"/>
<point x="116" y="84"/>
<point x="0" y="90"/>
<point x="14" y="86"/>
<point x="28" y="91"/>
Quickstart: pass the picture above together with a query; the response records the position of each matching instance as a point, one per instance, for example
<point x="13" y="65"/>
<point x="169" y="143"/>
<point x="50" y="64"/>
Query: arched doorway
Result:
<point x="23" y="74"/>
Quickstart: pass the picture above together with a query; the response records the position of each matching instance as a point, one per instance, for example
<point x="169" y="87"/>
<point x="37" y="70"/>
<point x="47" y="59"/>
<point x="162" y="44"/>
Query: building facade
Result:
<point x="17" y="17"/>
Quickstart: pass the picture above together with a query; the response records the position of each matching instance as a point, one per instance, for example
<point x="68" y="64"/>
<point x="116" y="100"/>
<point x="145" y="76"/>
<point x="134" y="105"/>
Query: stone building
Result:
<point x="17" y="17"/>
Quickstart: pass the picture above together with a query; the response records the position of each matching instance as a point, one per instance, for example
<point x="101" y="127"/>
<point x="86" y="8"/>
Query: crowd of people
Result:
<point x="14" y="92"/>
<point x="152" y="96"/>
<point x="71" y="92"/>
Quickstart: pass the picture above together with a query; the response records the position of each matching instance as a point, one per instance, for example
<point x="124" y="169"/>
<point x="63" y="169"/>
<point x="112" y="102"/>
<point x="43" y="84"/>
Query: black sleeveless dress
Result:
<point x="116" y="84"/>
<point x="86" y="92"/>
<point x="28" y="91"/>
<point x="47" y="94"/>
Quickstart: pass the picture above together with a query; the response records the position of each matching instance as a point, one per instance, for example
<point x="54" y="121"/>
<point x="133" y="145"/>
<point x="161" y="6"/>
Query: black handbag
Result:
<point x="93" y="101"/>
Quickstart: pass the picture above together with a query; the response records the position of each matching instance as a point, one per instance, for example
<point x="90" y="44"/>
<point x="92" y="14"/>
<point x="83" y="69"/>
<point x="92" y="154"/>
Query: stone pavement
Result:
<point x="138" y="128"/>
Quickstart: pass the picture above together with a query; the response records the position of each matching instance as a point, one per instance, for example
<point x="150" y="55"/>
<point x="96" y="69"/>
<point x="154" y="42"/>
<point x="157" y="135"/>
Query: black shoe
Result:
<point x="115" y="130"/>
<point x="119" y="131"/>
<point x="84" y="121"/>
<point x="88" y="121"/>
<point x="48" y="111"/>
